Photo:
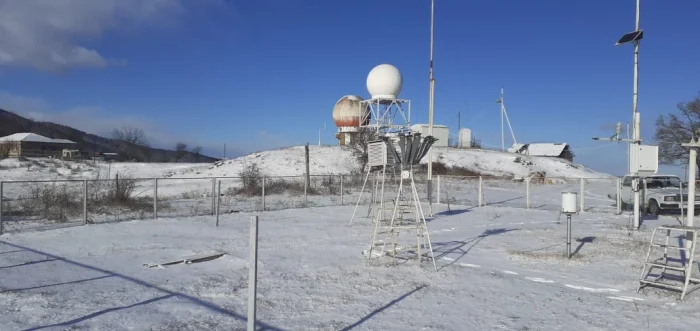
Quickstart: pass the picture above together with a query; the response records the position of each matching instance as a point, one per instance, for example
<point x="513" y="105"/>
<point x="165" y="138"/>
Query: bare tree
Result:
<point x="360" y="144"/>
<point x="133" y="141"/>
<point x="197" y="151"/>
<point x="673" y="130"/>
<point x="130" y="134"/>
<point x="180" y="151"/>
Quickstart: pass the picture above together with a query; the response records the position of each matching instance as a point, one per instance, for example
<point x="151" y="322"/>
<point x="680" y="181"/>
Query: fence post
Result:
<point x="1" y="205"/>
<point x="263" y="193"/>
<point x="480" y="193"/>
<point x="218" y="203"/>
<point x="306" y="188"/>
<point x="253" y="273"/>
<point x="85" y="198"/>
<point x="581" y="195"/>
<point x="155" y="198"/>
<point x="438" y="189"/>
<point x="618" y="198"/>
<point x="527" y="193"/>
<point x="341" y="190"/>
<point x="213" y="192"/>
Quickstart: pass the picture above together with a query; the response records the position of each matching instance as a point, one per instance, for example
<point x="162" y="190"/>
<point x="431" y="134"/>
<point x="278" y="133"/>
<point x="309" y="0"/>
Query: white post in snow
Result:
<point x="527" y="193"/>
<point x="438" y="189"/>
<point x="155" y="198"/>
<point x="253" y="273"/>
<point x="213" y="195"/>
<point x="479" y="192"/>
<point x="341" y="190"/>
<point x="85" y="199"/>
<point x="618" y="193"/>
<point x="693" y="145"/>
<point x="263" y="193"/>
<point x="581" y="194"/>
<point x="218" y="203"/>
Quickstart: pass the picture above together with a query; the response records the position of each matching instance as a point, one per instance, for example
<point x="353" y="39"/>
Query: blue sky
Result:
<point x="265" y="74"/>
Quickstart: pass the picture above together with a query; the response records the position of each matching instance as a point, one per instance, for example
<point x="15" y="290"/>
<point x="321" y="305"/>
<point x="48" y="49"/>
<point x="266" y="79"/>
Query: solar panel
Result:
<point x="631" y="36"/>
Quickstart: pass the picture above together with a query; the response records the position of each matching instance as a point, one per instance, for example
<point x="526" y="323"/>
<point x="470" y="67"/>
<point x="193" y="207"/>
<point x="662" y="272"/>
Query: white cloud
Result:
<point x="52" y="34"/>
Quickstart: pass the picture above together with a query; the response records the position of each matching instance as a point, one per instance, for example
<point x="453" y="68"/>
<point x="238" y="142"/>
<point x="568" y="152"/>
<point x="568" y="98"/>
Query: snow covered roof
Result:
<point x="540" y="149"/>
<point x="33" y="137"/>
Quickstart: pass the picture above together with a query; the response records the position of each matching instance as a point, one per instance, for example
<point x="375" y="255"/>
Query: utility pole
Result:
<point x="503" y="135"/>
<point x="430" y="109"/>
<point x="635" y="119"/>
<point x="459" y="121"/>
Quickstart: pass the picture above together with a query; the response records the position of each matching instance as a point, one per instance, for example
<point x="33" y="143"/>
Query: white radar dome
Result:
<point x="384" y="82"/>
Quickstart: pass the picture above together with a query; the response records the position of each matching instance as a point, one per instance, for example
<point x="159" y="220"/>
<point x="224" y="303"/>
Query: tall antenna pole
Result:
<point x="503" y="136"/>
<point x="635" y="121"/>
<point x="430" y="108"/>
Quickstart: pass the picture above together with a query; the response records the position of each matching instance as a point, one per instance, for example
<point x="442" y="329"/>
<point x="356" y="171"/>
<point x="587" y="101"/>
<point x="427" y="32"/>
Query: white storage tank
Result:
<point x="441" y="132"/>
<point x="465" y="138"/>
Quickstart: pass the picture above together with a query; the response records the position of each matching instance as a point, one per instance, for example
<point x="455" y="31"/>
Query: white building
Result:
<point x="441" y="132"/>
<point x="558" y="150"/>
<point x="465" y="138"/>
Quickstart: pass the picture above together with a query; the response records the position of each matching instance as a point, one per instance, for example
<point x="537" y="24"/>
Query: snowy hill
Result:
<point x="55" y="169"/>
<point x="324" y="160"/>
<point x="508" y="164"/>
<point x="339" y="160"/>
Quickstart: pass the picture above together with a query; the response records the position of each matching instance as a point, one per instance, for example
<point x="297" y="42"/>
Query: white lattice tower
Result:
<point x="407" y="215"/>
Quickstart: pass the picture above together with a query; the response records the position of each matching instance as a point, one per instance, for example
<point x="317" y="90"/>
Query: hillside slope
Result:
<point x="508" y="164"/>
<point x="11" y="123"/>
<point x="339" y="160"/>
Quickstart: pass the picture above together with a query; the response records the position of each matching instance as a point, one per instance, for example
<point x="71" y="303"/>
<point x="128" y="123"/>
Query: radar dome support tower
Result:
<point x="379" y="113"/>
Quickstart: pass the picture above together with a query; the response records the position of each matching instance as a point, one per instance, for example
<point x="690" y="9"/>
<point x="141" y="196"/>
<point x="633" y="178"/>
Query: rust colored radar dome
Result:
<point x="346" y="112"/>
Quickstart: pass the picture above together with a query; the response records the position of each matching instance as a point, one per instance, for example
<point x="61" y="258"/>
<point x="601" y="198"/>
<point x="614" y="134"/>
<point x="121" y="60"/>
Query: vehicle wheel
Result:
<point x="654" y="208"/>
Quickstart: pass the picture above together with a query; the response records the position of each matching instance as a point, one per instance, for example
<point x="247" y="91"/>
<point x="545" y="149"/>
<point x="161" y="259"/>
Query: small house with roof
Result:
<point x="33" y="145"/>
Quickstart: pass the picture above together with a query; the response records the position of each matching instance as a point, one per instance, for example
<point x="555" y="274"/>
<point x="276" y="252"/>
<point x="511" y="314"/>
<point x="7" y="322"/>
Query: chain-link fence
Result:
<point x="28" y="205"/>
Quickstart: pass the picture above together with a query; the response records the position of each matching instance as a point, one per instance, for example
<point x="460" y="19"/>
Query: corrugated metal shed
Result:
<point x="33" y="137"/>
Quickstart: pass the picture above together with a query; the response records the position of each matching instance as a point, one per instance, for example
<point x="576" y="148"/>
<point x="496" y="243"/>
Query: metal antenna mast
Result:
<point x="430" y="109"/>
<point x="635" y="37"/>
<point x="505" y="113"/>
<point x="635" y="114"/>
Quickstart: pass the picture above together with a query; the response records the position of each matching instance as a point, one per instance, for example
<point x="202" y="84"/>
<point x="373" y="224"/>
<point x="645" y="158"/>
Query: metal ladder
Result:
<point x="689" y="283"/>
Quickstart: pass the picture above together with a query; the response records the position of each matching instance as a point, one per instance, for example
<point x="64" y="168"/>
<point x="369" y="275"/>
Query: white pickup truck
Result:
<point x="658" y="193"/>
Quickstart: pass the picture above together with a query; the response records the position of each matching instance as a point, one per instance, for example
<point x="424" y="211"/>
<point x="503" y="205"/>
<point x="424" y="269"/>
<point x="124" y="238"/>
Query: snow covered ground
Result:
<point x="55" y="169"/>
<point x="25" y="205"/>
<point x="499" y="268"/>
<point x="325" y="160"/>
<point x="190" y="189"/>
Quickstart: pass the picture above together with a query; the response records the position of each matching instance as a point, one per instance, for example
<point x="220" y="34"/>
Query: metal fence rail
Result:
<point x="35" y="205"/>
